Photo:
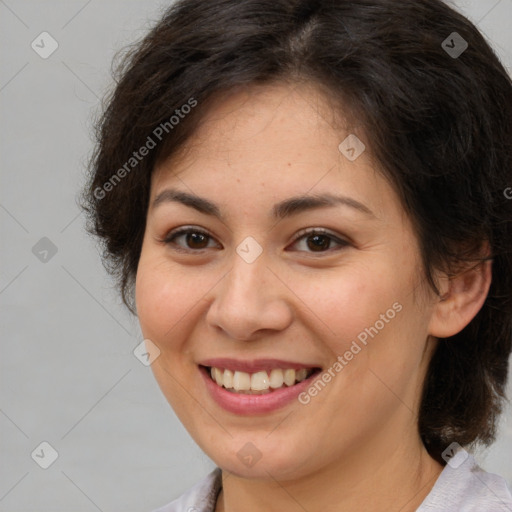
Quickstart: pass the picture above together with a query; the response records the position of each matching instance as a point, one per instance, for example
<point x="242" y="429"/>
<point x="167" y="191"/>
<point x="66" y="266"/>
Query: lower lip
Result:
<point x="239" y="403"/>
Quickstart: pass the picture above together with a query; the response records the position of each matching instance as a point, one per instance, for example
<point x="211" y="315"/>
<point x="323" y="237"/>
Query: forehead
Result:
<point x="272" y="140"/>
<point x="271" y="119"/>
<point x="274" y="115"/>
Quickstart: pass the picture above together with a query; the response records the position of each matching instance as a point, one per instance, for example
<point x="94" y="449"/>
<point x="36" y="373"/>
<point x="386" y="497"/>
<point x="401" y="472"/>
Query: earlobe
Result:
<point x="460" y="299"/>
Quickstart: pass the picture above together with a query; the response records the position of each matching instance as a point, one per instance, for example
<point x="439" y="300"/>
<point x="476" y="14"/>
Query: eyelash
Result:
<point x="173" y="235"/>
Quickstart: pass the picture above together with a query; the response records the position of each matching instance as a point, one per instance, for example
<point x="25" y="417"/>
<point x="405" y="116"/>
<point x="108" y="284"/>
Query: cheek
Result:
<point x="162" y="296"/>
<point x="165" y="303"/>
<point x="368" y="316"/>
<point x="151" y="294"/>
<point x="344" y="303"/>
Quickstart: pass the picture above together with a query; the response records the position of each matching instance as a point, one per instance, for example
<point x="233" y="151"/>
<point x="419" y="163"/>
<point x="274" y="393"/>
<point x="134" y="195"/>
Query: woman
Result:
<point x="304" y="204"/>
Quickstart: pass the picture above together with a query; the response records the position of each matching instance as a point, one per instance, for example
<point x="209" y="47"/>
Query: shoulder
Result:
<point x="465" y="487"/>
<point x="201" y="497"/>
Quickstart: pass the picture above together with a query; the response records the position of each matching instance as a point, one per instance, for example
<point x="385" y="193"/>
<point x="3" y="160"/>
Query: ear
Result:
<point x="461" y="297"/>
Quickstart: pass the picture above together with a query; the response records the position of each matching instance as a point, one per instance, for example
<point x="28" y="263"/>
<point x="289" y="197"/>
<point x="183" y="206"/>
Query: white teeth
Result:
<point x="260" y="381"/>
<point x="241" y="381"/>
<point x="301" y="374"/>
<point x="218" y="376"/>
<point x="276" y="378"/>
<point x="228" y="379"/>
<point x="289" y="377"/>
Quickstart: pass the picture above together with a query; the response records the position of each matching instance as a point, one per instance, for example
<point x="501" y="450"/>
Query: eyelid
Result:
<point x="183" y="230"/>
<point x="341" y="241"/>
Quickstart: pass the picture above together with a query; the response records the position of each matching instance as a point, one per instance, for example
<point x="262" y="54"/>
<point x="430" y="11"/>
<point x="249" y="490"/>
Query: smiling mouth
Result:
<point x="258" y="383"/>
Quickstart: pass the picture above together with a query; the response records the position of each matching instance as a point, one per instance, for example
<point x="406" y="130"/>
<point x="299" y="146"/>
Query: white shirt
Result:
<point x="465" y="488"/>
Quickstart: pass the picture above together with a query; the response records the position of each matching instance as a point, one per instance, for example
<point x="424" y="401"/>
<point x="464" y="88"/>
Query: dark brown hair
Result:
<point x="439" y="124"/>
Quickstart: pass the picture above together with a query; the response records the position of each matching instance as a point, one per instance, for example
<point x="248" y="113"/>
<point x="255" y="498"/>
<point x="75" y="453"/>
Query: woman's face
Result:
<point x="299" y="256"/>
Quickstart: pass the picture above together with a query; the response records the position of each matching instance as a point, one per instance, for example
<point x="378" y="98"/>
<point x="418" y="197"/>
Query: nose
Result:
<point x="249" y="301"/>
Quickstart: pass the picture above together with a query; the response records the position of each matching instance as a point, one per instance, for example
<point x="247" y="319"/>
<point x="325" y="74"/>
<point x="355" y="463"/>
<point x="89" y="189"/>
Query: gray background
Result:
<point x="68" y="374"/>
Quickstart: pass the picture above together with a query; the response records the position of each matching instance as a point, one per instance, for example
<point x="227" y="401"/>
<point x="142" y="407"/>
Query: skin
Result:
<point x="355" y="445"/>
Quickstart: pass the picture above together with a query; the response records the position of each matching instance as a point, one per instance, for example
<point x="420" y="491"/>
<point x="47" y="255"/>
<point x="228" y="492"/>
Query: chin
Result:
<point x="258" y="458"/>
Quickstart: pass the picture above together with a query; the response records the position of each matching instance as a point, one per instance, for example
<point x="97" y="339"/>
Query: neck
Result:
<point x="392" y="479"/>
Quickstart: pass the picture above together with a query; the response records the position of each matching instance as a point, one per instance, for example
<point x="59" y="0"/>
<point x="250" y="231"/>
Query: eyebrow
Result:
<point x="286" y="208"/>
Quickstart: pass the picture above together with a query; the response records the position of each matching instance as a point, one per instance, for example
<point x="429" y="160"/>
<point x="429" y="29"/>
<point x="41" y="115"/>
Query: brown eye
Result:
<point x="190" y="239"/>
<point x="316" y="240"/>
<point x="196" y="240"/>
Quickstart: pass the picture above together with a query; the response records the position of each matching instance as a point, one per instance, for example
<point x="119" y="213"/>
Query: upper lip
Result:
<point x="254" y="365"/>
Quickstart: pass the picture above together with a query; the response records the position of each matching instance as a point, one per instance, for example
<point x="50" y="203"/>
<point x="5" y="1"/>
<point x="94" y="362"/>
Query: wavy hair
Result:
<point x="439" y="124"/>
